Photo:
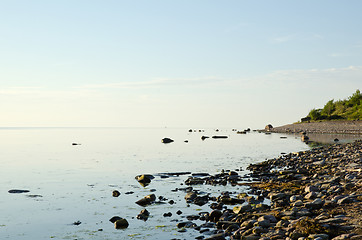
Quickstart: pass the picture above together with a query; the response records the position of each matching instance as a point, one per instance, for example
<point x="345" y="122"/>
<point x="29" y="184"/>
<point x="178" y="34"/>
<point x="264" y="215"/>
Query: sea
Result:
<point x="70" y="174"/>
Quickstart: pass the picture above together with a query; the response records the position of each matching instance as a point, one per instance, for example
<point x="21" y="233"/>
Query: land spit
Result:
<point x="340" y="127"/>
<point x="313" y="194"/>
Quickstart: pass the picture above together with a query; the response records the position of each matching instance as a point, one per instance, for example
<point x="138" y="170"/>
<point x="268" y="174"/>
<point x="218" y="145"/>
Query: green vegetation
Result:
<point x="348" y="109"/>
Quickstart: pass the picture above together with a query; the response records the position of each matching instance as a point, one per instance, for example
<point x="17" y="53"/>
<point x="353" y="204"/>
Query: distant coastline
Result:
<point x="335" y="127"/>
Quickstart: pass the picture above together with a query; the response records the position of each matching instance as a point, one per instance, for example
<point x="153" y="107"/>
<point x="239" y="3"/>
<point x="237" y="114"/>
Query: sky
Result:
<point x="179" y="63"/>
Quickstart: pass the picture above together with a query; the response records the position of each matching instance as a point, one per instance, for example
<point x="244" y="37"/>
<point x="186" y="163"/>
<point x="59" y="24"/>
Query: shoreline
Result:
<point x="314" y="194"/>
<point x="334" y="127"/>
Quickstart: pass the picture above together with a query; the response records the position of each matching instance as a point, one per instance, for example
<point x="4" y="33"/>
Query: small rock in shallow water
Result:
<point x="121" y="224"/>
<point x="116" y="193"/>
<point x="18" y="191"/>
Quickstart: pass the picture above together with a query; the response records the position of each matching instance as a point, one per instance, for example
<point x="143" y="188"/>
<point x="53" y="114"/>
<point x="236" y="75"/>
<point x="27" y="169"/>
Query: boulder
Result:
<point x="121" y="224"/>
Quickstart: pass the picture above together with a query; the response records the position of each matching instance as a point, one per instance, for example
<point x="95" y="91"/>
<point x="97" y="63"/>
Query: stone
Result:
<point x="242" y="208"/>
<point x="298" y="203"/>
<point x="167" y="140"/>
<point x="316" y="204"/>
<point x="121" y="224"/>
<point x="18" y="191"/>
<point x="116" y="193"/>
<point x="190" y="196"/>
<point x="149" y="199"/>
<point x="311" y="195"/>
<point x="215" y="215"/>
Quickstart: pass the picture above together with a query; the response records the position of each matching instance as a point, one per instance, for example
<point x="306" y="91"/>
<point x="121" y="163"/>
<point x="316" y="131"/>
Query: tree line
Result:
<point x="347" y="109"/>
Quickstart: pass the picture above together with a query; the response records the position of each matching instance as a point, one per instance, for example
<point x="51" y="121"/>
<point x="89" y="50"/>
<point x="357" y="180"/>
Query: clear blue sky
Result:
<point x="201" y="63"/>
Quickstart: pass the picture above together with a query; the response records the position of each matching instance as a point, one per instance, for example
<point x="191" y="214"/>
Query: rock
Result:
<point x="149" y="199"/>
<point x="311" y="195"/>
<point x="318" y="236"/>
<point x="18" y="191"/>
<point x="295" y="198"/>
<point x="143" y="215"/>
<point x="343" y="236"/>
<point x="144" y="178"/>
<point x="169" y="214"/>
<point x="167" y="140"/>
<point x="268" y="127"/>
<point x="121" y="224"/>
<point x="298" y="203"/>
<point x="344" y="200"/>
<point x="204" y="137"/>
<point x="190" y="196"/>
<point x="218" y="137"/>
<point x="276" y="196"/>
<point x="242" y="208"/>
<point x="215" y="215"/>
<point x="264" y="223"/>
<point x="116" y="193"/>
<point x="270" y="218"/>
<point x="114" y="219"/>
<point x="309" y="189"/>
<point x="316" y="204"/>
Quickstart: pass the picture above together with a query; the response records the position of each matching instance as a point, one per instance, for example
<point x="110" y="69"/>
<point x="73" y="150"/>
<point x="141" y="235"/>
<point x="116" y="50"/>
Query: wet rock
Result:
<point x="143" y="215"/>
<point x="77" y="223"/>
<point x="121" y="224"/>
<point x="116" y="193"/>
<point x="167" y="140"/>
<point x="169" y="214"/>
<point x="114" y="219"/>
<point x="144" y="179"/>
<point x="18" y="191"/>
<point x="147" y="200"/>
<point x="190" y="196"/>
<point x="218" y="137"/>
<point x="215" y="215"/>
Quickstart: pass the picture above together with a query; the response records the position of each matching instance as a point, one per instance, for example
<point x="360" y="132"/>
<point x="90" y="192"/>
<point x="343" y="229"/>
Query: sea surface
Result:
<point x="74" y="183"/>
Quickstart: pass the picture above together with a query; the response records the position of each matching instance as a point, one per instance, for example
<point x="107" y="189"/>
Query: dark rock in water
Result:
<point x="121" y="224"/>
<point x="204" y="137"/>
<point x="147" y="200"/>
<point x="144" y="178"/>
<point x="215" y="215"/>
<point x="217" y="137"/>
<point x="186" y="141"/>
<point x="179" y="212"/>
<point x="75" y="144"/>
<point x="268" y="127"/>
<point x="77" y="223"/>
<point x="144" y="214"/>
<point x="114" y="219"/>
<point x="167" y="140"/>
<point x="336" y="140"/>
<point x="18" y="191"/>
<point x="129" y="193"/>
<point x="241" y="132"/>
<point x="190" y="130"/>
<point x="169" y="214"/>
<point x="116" y="193"/>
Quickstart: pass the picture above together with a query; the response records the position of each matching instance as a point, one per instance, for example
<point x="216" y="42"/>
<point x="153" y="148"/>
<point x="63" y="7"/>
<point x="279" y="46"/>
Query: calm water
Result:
<point x="75" y="183"/>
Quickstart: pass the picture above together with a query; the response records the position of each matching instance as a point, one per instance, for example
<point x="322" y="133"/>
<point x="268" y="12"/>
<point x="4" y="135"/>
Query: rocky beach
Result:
<point x="335" y="127"/>
<point x="312" y="194"/>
